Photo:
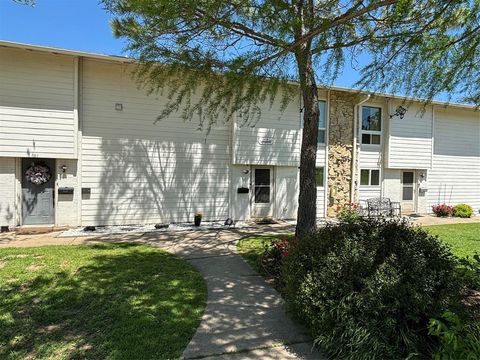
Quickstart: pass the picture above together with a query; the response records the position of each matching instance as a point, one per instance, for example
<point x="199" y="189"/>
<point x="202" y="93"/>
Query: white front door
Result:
<point x="408" y="192"/>
<point x="262" y="199"/>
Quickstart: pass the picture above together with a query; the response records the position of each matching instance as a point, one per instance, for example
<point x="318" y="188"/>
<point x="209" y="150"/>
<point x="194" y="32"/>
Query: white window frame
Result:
<point x="371" y="132"/>
<point x="370" y="177"/>
<point x="324" y="129"/>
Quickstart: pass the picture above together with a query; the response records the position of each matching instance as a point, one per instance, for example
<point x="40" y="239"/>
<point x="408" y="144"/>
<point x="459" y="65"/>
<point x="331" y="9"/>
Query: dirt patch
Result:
<point x="35" y="267"/>
<point x="3" y="263"/>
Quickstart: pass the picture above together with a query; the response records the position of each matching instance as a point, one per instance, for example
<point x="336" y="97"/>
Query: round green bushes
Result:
<point x="462" y="210"/>
<point x="367" y="289"/>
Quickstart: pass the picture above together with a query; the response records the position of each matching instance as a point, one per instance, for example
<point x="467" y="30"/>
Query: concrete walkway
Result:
<point x="245" y="318"/>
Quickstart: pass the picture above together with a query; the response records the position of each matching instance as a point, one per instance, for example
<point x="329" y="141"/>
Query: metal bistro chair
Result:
<point x="380" y="207"/>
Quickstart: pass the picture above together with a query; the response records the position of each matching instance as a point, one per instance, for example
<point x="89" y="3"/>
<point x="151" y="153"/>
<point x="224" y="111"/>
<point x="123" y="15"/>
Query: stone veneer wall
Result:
<point x="340" y="150"/>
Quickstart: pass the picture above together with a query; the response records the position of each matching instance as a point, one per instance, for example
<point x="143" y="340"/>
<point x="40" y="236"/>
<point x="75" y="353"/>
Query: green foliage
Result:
<point x="97" y="302"/>
<point x="367" y="289"/>
<point x="349" y="213"/>
<point x="462" y="210"/>
<point x="457" y="339"/>
<point x="217" y="57"/>
<point x="469" y="271"/>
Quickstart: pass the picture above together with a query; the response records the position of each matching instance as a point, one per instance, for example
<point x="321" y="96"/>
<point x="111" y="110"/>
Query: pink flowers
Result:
<point x="283" y="247"/>
<point x="442" y="210"/>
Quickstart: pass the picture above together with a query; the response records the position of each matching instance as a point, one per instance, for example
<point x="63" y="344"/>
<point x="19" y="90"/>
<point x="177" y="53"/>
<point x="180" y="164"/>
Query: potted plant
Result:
<point x="197" y="219"/>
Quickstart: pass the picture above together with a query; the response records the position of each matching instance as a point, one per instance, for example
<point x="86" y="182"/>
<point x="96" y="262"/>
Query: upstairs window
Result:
<point x="320" y="176"/>
<point x="322" y="121"/>
<point x="369" y="177"/>
<point x="371" y="125"/>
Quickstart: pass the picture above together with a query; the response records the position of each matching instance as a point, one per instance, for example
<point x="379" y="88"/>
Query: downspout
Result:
<point x="355" y="145"/>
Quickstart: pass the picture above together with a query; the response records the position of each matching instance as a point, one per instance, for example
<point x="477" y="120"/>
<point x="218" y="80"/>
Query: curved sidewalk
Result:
<point x="245" y="318"/>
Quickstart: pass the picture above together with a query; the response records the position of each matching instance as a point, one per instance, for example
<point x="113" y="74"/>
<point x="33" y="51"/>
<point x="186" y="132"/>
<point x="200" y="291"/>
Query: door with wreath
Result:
<point x="38" y="189"/>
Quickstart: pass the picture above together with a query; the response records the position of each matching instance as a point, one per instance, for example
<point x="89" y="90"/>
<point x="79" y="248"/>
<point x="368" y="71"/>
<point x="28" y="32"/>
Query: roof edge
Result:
<point x="125" y="59"/>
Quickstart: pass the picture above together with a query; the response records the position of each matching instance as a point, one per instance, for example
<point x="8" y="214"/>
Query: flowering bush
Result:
<point x="273" y="257"/>
<point x="349" y="213"/>
<point x="442" y="210"/>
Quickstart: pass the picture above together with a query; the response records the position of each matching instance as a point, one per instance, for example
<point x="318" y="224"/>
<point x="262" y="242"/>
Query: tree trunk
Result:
<point x="307" y="199"/>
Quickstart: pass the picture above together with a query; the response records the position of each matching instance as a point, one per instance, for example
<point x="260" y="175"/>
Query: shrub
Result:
<point x="272" y="260"/>
<point x="457" y="339"/>
<point x="367" y="289"/>
<point x="442" y="210"/>
<point x="349" y="213"/>
<point x="462" y="210"/>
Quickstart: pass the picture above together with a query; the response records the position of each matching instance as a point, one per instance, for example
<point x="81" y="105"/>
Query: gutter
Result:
<point x="355" y="145"/>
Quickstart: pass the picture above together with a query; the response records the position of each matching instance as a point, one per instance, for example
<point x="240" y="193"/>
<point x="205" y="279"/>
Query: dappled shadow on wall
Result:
<point x="149" y="180"/>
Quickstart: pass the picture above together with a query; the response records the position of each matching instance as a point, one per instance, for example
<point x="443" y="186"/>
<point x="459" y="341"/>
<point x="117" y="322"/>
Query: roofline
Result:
<point x="125" y="59"/>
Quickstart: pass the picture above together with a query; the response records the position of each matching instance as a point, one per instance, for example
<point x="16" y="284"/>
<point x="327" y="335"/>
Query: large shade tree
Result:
<point x="213" y="58"/>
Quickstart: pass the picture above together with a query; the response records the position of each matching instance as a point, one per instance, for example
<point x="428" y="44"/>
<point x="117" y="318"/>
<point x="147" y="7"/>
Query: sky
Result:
<point x="75" y="25"/>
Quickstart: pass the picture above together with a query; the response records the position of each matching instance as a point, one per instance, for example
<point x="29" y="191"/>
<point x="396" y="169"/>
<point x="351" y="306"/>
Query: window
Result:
<point x="408" y="184"/>
<point x="371" y="125"/>
<point x="319" y="176"/>
<point x="262" y="186"/>
<point x="322" y="121"/>
<point x="369" y="177"/>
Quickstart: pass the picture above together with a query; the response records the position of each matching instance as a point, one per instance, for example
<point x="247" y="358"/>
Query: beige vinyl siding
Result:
<point x="410" y="142"/>
<point x="36" y="104"/>
<point x="283" y="128"/>
<point x="141" y="172"/>
<point x="7" y="191"/>
<point x="455" y="176"/>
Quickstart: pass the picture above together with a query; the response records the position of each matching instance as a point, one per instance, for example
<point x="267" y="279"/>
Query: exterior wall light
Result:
<point x="400" y="112"/>
<point x="64" y="168"/>
<point x="119" y="106"/>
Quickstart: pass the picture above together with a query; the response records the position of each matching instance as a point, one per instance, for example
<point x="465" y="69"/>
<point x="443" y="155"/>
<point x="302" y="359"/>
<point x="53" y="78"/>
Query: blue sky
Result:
<point x="75" y="25"/>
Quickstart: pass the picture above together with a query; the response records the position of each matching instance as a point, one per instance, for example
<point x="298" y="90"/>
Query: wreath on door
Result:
<point x="38" y="173"/>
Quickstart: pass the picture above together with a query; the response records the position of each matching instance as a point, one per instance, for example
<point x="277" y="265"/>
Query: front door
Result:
<point x="262" y="202"/>
<point x="408" y="192"/>
<point x="37" y="191"/>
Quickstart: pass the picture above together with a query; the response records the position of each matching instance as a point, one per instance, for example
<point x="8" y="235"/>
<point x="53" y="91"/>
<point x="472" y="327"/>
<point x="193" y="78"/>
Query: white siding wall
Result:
<point x="240" y="178"/>
<point x="141" y="172"/>
<point x="7" y="191"/>
<point x="410" y="142"/>
<point x="67" y="205"/>
<point x="369" y="158"/>
<point x="321" y="162"/>
<point x="282" y="127"/>
<point x="455" y="176"/>
<point x="36" y="105"/>
<point x="286" y="192"/>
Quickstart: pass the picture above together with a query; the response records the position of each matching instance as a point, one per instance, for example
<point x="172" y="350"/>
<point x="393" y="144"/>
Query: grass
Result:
<point x="103" y="301"/>
<point x="464" y="239"/>
<point x="252" y="249"/>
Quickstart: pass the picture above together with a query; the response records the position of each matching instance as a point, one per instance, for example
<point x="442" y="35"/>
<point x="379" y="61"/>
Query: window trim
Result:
<point x="371" y="132"/>
<point x="370" y="177"/>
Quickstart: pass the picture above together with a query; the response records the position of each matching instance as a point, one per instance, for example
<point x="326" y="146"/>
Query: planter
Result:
<point x="197" y="220"/>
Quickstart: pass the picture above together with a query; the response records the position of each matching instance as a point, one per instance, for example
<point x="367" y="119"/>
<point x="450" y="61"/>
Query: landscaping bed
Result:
<point x="360" y="283"/>
<point x="101" y="301"/>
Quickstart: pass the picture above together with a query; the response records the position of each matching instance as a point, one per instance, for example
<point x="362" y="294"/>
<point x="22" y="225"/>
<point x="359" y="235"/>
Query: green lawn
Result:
<point x="464" y="239"/>
<point x="252" y="249"/>
<point x="101" y="301"/>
